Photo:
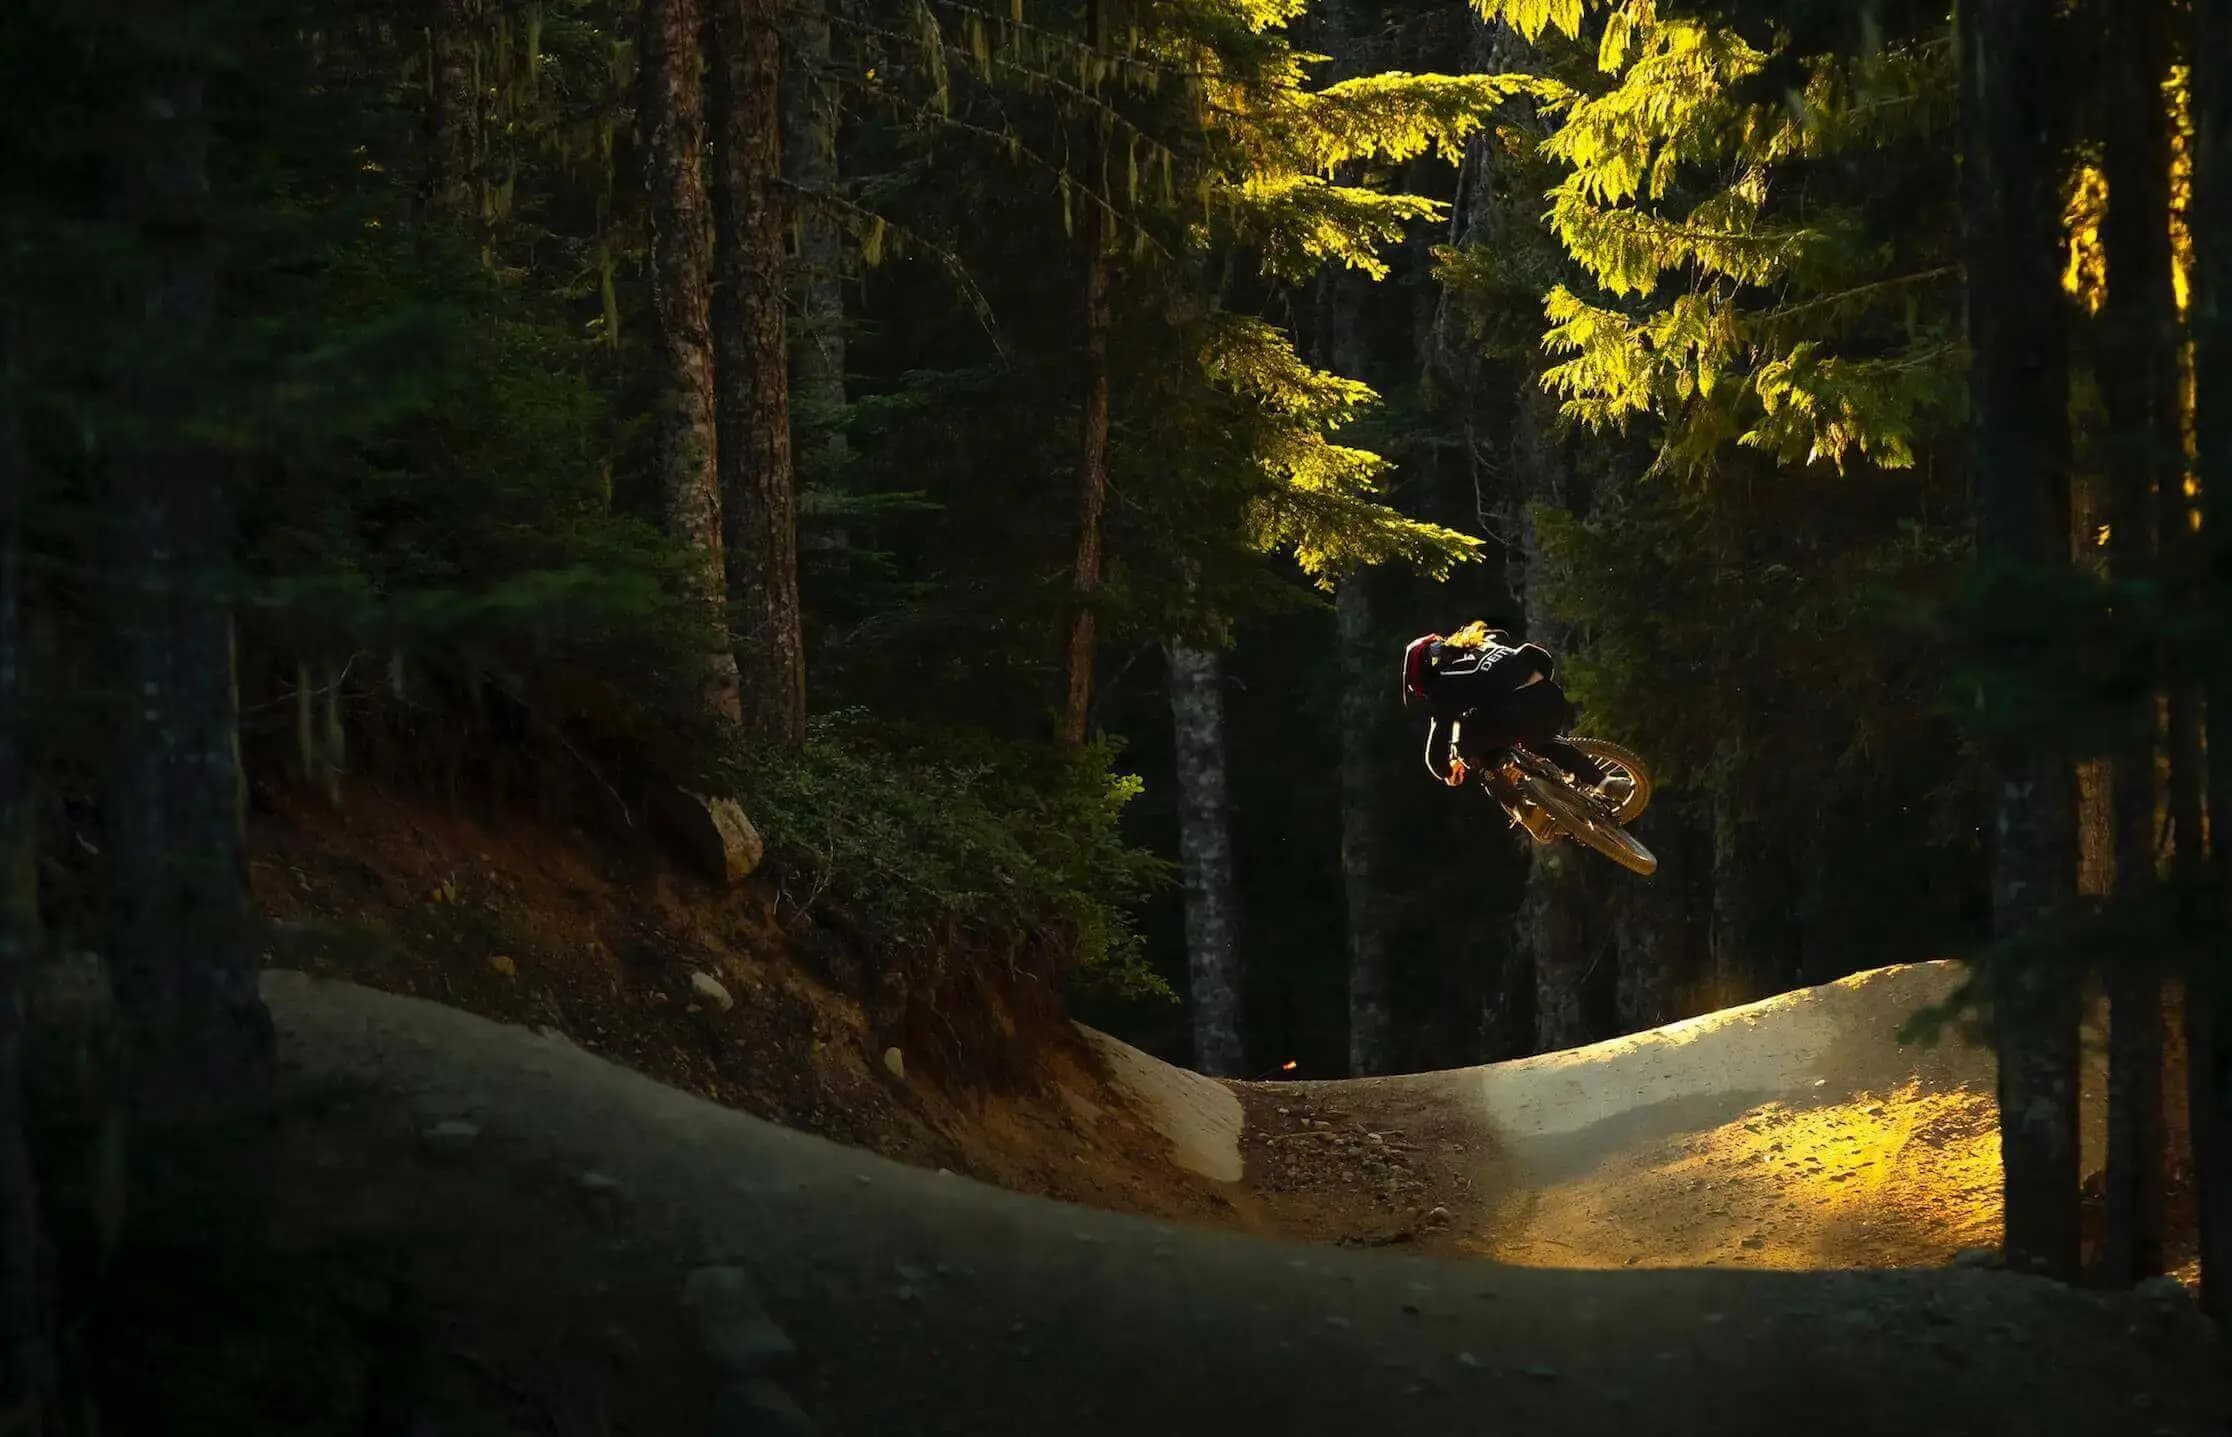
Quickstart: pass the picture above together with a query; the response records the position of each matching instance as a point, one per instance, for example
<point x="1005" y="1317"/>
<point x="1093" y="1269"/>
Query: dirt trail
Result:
<point x="556" y="1205"/>
<point x="1796" y="1133"/>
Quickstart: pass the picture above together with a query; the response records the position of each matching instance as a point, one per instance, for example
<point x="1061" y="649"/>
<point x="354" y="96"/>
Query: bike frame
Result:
<point x="1501" y="779"/>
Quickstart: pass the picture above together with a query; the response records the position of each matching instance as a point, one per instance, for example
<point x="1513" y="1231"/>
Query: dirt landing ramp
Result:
<point x="1799" y="1132"/>
<point x="563" y="1202"/>
<point x="1796" y="1133"/>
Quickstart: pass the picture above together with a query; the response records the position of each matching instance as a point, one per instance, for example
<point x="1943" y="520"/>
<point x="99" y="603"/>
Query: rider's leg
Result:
<point x="1542" y="716"/>
<point x="1586" y="771"/>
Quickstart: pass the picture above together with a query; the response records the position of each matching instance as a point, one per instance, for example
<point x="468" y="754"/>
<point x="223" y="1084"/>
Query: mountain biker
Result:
<point x="1488" y="691"/>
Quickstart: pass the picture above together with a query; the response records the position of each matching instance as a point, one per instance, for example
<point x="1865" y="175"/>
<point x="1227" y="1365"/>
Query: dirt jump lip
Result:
<point x="931" y="1304"/>
<point x="1199" y="1116"/>
<point x="1813" y="1045"/>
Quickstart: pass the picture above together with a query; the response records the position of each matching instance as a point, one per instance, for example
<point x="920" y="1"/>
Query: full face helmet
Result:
<point x="1415" y="654"/>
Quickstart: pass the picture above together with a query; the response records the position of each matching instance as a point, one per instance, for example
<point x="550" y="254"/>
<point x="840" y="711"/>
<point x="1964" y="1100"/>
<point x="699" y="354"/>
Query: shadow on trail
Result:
<point x="554" y="1239"/>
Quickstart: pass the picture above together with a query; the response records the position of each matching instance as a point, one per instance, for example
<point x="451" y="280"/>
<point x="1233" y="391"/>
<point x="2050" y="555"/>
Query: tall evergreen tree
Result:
<point x="2138" y="376"/>
<point x="25" y="1321"/>
<point x="2019" y="393"/>
<point x="2208" y="1013"/>
<point x="456" y="148"/>
<point x="1363" y="838"/>
<point x="811" y="87"/>
<point x="1092" y="457"/>
<point x="186" y="973"/>
<point x="1554" y="917"/>
<point x="1205" y="850"/>
<point x="759" y="501"/>
<point x="681" y="282"/>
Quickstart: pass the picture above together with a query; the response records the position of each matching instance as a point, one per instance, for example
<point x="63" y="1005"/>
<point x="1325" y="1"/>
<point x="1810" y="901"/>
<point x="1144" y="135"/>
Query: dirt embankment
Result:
<point x="732" y="996"/>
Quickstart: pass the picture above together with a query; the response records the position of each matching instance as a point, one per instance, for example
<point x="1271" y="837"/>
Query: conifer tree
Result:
<point x="681" y="281"/>
<point x="759" y="501"/>
<point x="2138" y="378"/>
<point x="2209" y="1013"/>
<point x="25" y="1321"/>
<point x="1208" y="141"/>
<point x="2019" y="399"/>
<point x="811" y="88"/>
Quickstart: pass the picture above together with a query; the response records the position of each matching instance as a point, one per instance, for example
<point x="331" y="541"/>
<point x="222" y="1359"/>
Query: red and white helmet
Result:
<point x="1414" y="666"/>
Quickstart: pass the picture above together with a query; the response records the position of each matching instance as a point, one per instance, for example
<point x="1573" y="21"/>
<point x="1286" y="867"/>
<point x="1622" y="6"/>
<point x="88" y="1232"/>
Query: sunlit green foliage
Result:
<point x="1738" y="231"/>
<point x="1800" y="323"/>
<point x="1200" y="130"/>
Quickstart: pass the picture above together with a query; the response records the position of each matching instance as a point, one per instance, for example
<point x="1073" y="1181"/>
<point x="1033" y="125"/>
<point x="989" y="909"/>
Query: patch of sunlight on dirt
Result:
<point x="1900" y="1179"/>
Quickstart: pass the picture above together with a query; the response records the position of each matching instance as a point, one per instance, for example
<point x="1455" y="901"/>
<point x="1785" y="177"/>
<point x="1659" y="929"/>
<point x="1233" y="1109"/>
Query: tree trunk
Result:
<point x="2209" y="1033"/>
<point x="455" y="139"/>
<point x="2094" y="503"/>
<point x="1205" y="848"/>
<point x="1506" y="1027"/>
<point x="1642" y="930"/>
<point x="1730" y="944"/>
<point x="758" y="498"/>
<point x="2139" y="387"/>
<point x="1363" y="830"/>
<point x="1092" y="496"/>
<point x="1657" y="938"/>
<point x="186" y="978"/>
<point x="1554" y="920"/>
<point x="1092" y="466"/>
<point x="818" y="346"/>
<point x="2132" y="1229"/>
<point x="2018" y="383"/>
<point x="1482" y="395"/>
<point x="1364" y="699"/>
<point x="681" y="287"/>
<point x="2189" y="767"/>
<point x="25" y="1332"/>
<point x="1553" y="915"/>
<point x="2096" y="828"/>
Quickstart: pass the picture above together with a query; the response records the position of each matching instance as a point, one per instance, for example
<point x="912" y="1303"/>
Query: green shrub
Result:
<point x="946" y="839"/>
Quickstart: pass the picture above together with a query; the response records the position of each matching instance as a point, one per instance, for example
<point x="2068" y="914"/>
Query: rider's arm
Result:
<point x="1438" y="742"/>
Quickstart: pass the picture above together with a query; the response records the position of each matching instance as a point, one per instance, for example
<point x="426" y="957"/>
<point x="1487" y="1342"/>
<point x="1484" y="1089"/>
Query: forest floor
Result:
<point x="549" y="1205"/>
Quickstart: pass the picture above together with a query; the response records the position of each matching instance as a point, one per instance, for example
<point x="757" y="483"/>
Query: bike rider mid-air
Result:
<point x="1487" y="692"/>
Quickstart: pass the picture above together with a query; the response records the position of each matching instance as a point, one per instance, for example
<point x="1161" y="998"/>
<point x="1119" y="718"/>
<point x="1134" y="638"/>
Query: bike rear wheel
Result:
<point x="1578" y="821"/>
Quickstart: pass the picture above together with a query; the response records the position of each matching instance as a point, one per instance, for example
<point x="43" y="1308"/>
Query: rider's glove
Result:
<point x="1456" y="775"/>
